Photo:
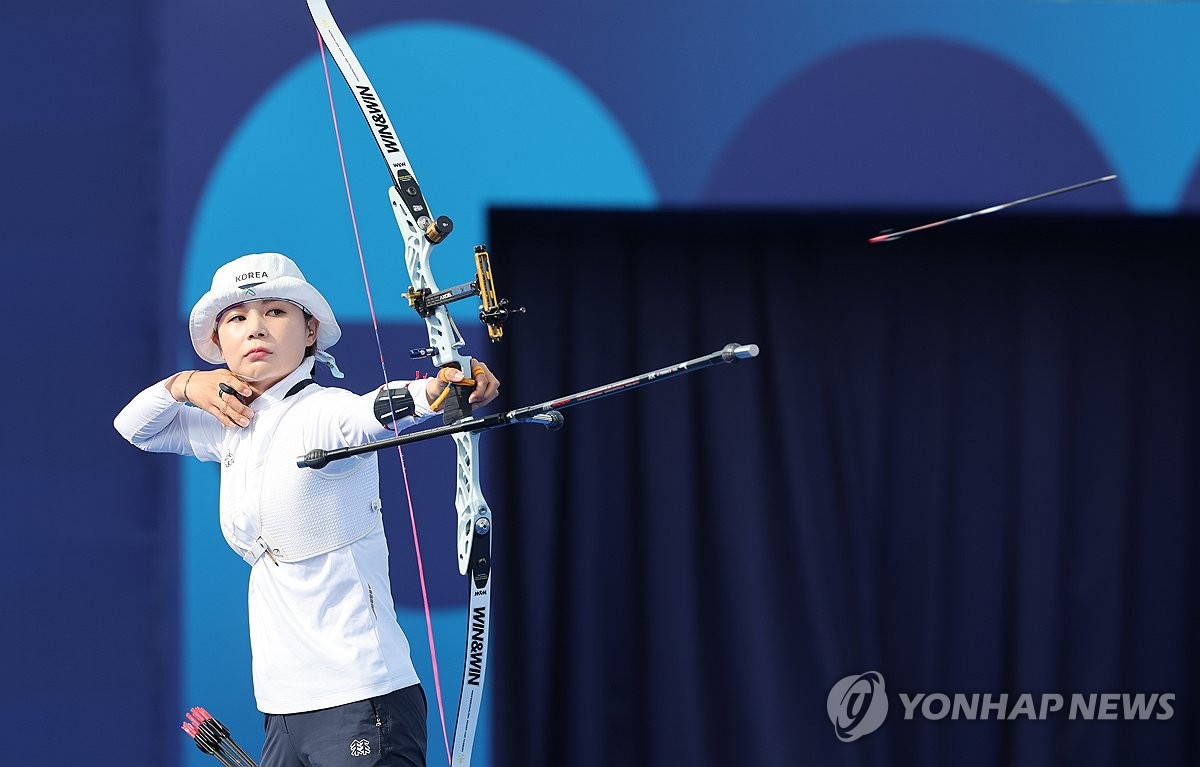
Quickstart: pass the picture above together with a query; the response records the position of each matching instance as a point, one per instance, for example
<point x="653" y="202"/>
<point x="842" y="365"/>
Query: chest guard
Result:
<point x="300" y="513"/>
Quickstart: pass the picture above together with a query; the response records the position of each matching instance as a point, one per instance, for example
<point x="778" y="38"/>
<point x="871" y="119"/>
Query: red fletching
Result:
<point x="213" y="738"/>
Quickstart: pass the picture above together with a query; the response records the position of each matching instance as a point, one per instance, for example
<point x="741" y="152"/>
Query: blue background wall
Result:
<point x="144" y="143"/>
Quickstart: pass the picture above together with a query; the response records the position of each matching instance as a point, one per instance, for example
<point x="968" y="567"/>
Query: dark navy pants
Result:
<point x="388" y="731"/>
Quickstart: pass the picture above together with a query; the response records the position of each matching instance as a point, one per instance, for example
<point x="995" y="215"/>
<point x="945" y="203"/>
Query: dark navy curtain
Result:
<point x="965" y="460"/>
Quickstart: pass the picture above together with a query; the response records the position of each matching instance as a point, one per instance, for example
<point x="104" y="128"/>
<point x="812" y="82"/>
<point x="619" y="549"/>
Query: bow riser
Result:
<point x="446" y="341"/>
<point x="474" y="516"/>
<point x="444" y="338"/>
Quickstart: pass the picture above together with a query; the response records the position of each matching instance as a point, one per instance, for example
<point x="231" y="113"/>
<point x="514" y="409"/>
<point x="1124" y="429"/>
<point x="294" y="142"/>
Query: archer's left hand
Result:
<point x="486" y="386"/>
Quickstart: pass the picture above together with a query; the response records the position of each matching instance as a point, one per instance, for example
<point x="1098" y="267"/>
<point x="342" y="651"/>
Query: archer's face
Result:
<point x="263" y="341"/>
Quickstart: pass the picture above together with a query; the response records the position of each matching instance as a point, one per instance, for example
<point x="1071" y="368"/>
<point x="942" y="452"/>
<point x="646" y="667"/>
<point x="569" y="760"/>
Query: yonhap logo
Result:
<point x="857" y="705"/>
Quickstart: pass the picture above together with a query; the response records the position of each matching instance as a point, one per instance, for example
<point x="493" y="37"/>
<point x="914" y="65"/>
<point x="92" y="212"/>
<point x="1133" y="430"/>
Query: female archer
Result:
<point x="331" y="666"/>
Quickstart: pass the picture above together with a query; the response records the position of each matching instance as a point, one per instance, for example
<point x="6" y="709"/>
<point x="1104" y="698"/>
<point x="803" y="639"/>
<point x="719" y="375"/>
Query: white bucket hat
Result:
<point x="254" y="278"/>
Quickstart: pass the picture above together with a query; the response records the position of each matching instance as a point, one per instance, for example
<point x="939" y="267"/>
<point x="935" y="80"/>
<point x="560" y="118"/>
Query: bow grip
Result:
<point x="457" y="406"/>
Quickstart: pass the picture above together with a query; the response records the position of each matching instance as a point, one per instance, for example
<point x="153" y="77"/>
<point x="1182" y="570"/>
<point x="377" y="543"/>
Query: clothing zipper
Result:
<point x="378" y="725"/>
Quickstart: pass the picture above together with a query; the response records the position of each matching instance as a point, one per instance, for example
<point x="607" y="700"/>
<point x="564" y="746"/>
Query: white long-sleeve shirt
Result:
<point x="323" y="628"/>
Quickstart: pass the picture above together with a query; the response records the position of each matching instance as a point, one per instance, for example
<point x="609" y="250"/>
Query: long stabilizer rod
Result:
<point x="545" y="413"/>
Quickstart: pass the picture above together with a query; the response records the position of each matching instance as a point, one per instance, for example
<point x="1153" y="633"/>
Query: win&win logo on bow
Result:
<point x="857" y="705"/>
